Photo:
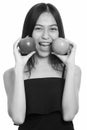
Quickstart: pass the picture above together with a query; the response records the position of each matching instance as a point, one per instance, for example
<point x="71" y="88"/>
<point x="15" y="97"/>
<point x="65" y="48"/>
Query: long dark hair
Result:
<point x="29" y="24"/>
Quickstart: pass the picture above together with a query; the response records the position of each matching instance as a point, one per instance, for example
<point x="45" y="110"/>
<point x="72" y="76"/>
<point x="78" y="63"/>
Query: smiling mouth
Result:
<point x="44" y="44"/>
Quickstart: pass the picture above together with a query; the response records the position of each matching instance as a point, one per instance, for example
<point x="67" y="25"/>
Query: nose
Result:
<point x="45" y="34"/>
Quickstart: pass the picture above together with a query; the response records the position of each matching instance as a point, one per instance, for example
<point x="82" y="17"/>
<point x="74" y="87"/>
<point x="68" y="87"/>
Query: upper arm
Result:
<point x="77" y="77"/>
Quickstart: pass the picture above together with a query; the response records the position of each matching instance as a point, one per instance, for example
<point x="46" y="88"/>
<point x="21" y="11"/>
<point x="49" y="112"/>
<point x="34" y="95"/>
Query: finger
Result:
<point x="61" y="57"/>
<point x="70" y="42"/>
<point x="16" y="43"/>
<point x="30" y="54"/>
<point x="15" y="46"/>
<point x="69" y="49"/>
<point x="72" y="48"/>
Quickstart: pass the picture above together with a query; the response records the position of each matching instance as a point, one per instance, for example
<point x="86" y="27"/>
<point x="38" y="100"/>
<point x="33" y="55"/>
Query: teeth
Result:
<point x="44" y="44"/>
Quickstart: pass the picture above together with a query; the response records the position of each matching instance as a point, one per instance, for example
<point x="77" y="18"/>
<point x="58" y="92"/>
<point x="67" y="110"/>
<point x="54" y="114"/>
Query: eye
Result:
<point x="38" y="28"/>
<point x="53" y="28"/>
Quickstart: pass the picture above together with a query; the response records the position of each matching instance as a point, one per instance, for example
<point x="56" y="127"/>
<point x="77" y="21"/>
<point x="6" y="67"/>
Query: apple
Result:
<point x="60" y="46"/>
<point x="26" y="45"/>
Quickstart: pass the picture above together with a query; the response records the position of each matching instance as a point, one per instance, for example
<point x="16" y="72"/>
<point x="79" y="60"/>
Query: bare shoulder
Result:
<point x="8" y="78"/>
<point x="8" y="73"/>
<point x="77" y="70"/>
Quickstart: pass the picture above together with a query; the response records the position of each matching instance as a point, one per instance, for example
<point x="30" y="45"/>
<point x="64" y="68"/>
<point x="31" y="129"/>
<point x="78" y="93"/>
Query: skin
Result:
<point x="45" y="32"/>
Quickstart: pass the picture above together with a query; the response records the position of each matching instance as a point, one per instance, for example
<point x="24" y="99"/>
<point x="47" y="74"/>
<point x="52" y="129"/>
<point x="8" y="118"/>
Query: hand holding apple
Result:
<point x="66" y="51"/>
<point x="20" y="60"/>
<point x="26" y="45"/>
<point x="60" y="46"/>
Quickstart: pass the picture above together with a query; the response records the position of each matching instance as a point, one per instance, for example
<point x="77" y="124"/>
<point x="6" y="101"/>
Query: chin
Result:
<point x="43" y="54"/>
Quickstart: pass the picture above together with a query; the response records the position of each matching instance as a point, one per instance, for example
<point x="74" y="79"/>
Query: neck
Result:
<point x="42" y="60"/>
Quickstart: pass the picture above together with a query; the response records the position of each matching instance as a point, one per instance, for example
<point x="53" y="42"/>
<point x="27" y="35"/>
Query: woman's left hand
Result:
<point x="69" y="58"/>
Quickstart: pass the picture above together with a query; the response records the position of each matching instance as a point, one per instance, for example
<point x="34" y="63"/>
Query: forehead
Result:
<point x="46" y="18"/>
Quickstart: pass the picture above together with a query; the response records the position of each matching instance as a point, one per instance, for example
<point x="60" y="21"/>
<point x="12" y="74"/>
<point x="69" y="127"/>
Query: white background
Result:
<point x="74" y="16"/>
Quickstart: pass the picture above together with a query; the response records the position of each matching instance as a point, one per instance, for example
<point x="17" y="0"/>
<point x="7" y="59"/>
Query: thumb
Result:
<point x="63" y="58"/>
<point x="30" y="54"/>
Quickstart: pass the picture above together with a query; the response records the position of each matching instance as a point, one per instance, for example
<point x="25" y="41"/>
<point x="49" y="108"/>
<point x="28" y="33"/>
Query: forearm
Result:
<point x="70" y="94"/>
<point x="18" y="103"/>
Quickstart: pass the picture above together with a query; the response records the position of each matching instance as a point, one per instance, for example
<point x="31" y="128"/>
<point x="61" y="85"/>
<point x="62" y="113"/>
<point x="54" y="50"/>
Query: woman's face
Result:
<point x="45" y="31"/>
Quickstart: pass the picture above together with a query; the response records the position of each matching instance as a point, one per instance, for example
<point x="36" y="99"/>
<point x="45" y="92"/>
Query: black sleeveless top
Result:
<point x="44" y="105"/>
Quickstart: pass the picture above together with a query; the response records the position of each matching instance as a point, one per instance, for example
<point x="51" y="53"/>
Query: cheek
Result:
<point x="37" y="45"/>
<point x="54" y="35"/>
<point x="36" y="35"/>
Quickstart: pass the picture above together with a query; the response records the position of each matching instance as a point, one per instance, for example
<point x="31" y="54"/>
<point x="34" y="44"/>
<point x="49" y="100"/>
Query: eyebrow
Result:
<point x="49" y="25"/>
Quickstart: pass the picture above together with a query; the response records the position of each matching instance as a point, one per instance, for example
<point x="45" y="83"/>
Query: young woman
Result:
<point x="43" y="87"/>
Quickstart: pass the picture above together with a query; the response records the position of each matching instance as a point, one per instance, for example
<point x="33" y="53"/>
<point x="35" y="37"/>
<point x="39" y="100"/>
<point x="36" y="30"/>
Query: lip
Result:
<point x="44" y="43"/>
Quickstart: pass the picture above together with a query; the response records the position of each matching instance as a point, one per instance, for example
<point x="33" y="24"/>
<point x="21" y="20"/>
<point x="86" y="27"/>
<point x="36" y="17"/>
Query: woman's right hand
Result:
<point x="19" y="59"/>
